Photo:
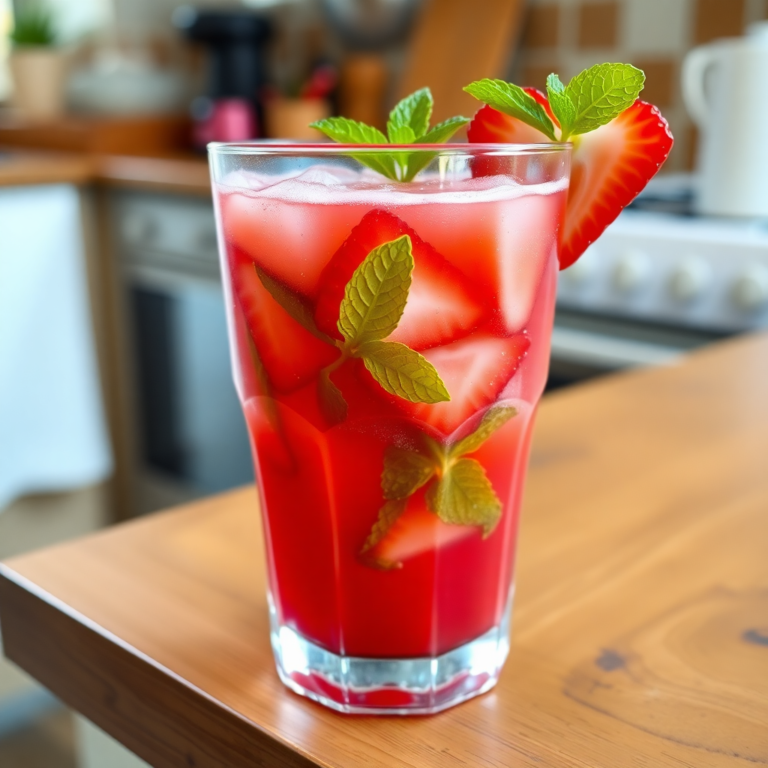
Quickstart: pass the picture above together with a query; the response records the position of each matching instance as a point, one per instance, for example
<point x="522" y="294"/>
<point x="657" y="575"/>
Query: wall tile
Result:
<point x="661" y="77"/>
<point x="717" y="18"/>
<point x="599" y="24"/>
<point x="656" y="26"/>
<point x="541" y="26"/>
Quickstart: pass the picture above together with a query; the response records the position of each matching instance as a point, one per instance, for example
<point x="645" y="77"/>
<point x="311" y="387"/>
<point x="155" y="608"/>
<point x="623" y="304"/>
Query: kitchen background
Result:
<point x="146" y="415"/>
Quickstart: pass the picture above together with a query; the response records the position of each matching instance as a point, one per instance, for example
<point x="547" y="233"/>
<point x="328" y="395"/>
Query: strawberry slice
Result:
<point x="611" y="166"/>
<point x="291" y="355"/>
<point x="475" y="371"/>
<point x="443" y="305"/>
<point x="417" y="530"/>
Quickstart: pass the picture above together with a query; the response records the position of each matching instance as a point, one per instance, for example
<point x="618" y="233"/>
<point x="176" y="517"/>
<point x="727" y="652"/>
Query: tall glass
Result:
<point x="390" y="342"/>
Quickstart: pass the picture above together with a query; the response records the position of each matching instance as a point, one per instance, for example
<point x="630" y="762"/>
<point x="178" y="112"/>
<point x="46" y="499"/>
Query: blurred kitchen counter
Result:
<point x="170" y="172"/>
<point x="149" y="151"/>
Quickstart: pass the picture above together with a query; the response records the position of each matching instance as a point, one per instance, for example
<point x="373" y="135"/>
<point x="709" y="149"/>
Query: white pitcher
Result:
<point x="724" y="87"/>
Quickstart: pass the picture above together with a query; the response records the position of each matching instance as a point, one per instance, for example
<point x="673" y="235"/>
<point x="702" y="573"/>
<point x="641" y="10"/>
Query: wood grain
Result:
<point x="641" y="623"/>
<point x="456" y="42"/>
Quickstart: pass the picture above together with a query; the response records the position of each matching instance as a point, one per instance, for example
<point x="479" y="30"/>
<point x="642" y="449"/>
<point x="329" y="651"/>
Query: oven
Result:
<point x="191" y="434"/>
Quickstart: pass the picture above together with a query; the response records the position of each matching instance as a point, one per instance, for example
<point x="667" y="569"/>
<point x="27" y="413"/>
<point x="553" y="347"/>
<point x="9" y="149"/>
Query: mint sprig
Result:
<point x="408" y="124"/>
<point x="513" y="100"/>
<point x="373" y="304"/>
<point x="458" y="490"/>
<point x="591" y="99"/>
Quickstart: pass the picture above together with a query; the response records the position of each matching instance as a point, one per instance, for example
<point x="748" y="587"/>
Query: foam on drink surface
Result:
<point x="331" y="185"/>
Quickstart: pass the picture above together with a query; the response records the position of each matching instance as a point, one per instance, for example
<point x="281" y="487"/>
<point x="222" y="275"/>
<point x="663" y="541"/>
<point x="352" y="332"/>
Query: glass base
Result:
<point x="413" y="686"/>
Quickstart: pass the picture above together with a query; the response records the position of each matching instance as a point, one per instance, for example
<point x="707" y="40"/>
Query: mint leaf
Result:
<point x="293" y="303"/>
<point x="403" y="372"/>
<point x="413" y="111"/>
<point x="375" y="296"/>
<point x="400" y="134"/>
<point x="388" y="515"/>
<point x="561" y="105"/>
<point x="417" y="161"/>
<point x="465" y="496"/>
<point x="513" y="100"/>
<point x="443" y="131"/>
<point x="404" y="472"/>
<point x="494" y="419"/>
<point x="602" y="92"/>
<point x="347" y="131"/>
<point x="333" y="406"/>
<point x="408" y="124"/>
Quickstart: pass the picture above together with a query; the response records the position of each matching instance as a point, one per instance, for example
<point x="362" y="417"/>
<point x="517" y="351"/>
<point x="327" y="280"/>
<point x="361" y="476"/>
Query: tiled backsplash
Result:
<point x="565" y="36"/>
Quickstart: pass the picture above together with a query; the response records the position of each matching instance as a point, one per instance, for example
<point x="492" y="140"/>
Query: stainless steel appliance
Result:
<point x="660" y="281"/>
<point x="192" y="436"/>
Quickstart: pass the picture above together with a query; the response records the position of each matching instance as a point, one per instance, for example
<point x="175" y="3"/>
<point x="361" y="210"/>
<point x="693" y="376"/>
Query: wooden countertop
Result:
<point x="640" y="630"/>
<point x="168" y="172"/>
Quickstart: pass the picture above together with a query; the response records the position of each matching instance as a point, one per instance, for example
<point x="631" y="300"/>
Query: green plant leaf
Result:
<point x="413" y="111"/>
<point x="33" y="26"/>
<point x="375" y="296"/>
<point x="405" y="472"/>
<point x="443" y="131"/>
<point x="513" y="100"/>
<point x="388" y="515"/>
<point x="494" y="419"/>
<point x="332" y="403"/>
<point x="400" y="134"/>
<point x="403" y="372"/>
<point x="465" y="496"/>
<point x="602" y="92"/>
<point x="561" y="105"/>
<point x="293" y="303"/>
<point x="347" y="131"/>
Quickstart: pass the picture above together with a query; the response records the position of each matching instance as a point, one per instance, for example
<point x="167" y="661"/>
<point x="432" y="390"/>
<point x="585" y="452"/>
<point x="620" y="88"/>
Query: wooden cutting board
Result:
<point x="455" y="42"/>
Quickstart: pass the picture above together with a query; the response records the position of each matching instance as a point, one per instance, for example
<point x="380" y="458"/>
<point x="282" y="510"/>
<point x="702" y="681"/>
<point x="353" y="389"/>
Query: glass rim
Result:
<point x="256" y="148"/>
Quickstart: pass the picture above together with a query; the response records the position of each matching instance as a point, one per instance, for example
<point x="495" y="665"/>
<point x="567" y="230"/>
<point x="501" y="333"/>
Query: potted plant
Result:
<point x="38" y="64"/>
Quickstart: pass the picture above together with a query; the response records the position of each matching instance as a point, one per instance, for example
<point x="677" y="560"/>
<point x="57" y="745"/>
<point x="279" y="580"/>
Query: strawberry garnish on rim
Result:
<point x="611" y="162"/>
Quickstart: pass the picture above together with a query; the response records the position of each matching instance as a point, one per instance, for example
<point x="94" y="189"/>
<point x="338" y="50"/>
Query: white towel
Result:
<point x="53" y="434"/>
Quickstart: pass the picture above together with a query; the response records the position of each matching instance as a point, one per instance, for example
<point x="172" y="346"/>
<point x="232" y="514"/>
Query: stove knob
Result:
<point x="750" y="290"/>
<point x="631" y="272"/>
<point x="578" y="273"/>
<point x="689" y="280"/>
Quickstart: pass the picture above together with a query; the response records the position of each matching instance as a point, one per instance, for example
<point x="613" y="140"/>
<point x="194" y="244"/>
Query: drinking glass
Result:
<point x="390" y="342"/>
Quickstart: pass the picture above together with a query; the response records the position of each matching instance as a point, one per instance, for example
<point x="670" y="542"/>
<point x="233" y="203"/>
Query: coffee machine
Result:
<point x="235" y="38"/>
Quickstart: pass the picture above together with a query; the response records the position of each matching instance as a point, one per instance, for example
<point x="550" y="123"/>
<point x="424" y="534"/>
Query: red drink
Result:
<point x="391" y="520"/>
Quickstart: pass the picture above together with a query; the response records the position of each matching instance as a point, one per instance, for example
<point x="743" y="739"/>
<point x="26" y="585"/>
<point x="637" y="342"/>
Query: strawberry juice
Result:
<point x="390" y="344"/>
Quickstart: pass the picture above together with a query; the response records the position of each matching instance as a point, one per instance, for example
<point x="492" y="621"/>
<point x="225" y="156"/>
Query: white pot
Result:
<point x="39" y="74"/>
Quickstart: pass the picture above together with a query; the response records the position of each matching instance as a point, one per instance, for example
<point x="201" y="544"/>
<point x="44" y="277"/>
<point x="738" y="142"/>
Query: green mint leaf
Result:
<point x="443" y="131"/>
<point x="333" y="406"/>
<point x="404" y="472"/>
<point x="403" y="372"/>
<point x="388" y="515"/>
<point x="417" y="161"/>
<point x="347" y="131"/>
<point x="413" y="111"/>
<point x="400" y="134"/>
<point x="561" y="105"/>
<point x="602" y="92"/>
<point x="465" y="496"/>
<point x="513" y="100"/>
<point x="494" y="419"/>
<point x="293" y="303"/>
<point x="375" y="296"/>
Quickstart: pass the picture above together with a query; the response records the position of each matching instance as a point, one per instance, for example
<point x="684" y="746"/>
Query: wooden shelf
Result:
<point x="641" y="623"/>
